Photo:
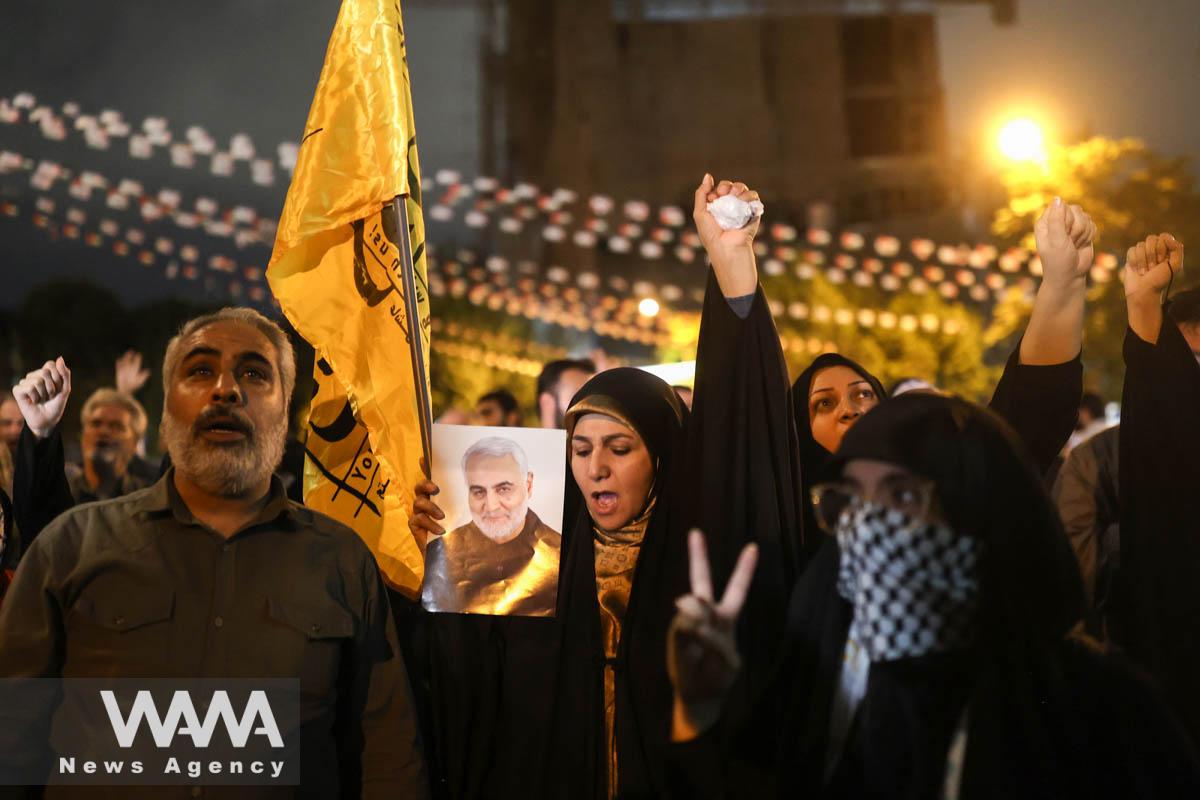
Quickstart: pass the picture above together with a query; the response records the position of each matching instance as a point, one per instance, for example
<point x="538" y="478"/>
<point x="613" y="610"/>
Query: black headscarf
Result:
<point x="645" y="400"/>
<point x="813" y="455"/>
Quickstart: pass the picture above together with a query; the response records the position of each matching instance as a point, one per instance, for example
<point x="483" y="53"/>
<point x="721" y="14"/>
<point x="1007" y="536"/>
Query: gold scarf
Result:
<point x="616" y="559"/>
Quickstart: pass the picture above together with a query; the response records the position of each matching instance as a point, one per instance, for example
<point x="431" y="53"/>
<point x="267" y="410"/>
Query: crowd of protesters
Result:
<point x="895" y="594"/>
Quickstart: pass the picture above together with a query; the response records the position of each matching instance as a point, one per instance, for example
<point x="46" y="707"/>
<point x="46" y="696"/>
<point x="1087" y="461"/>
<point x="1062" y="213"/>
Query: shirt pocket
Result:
<point x="123" y="633"/>
<point x="312" y="638"/>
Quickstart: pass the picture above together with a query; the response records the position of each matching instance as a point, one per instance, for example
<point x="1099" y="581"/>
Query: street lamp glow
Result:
<point x="648" y="307"/>
<point x="1022" y="140"/>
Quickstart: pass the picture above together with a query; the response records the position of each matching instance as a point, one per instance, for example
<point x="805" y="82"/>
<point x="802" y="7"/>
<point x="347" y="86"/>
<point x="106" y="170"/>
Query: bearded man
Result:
<point x="112" y="425"/>
<point x="44" y="484"/>
<point x="505" y="560"/>
<point x="213" y="573"/>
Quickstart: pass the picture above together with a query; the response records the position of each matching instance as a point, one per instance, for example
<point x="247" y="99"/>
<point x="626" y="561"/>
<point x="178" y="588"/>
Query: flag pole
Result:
<point x="408" y="285"/>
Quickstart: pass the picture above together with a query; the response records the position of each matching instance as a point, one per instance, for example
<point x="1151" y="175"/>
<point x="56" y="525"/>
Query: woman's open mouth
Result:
<point x="604" y="502"/>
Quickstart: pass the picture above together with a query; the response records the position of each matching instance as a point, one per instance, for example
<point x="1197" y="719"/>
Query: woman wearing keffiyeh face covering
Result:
<point x="579" y="705"/>
<point x="955" y="573"/>
<point x="1038" y="395"/>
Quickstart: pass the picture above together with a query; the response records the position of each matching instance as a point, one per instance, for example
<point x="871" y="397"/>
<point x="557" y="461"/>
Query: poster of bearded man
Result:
<point x="502" y="490"/>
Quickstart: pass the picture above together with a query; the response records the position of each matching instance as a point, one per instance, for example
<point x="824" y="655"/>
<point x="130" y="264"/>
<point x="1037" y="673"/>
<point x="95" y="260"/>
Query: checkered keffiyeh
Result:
<point x="914" y="586"/>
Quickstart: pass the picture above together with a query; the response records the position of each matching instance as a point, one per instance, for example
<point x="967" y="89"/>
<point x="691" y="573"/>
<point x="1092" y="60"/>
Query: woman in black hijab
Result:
<point x="579" y="705"/>
<point x="955" y="572"/>
<point x="1040" y="401"/>
<point x="525" y="706"/>
<point x="1038" y="393"/>
<point x="825" y="412"/>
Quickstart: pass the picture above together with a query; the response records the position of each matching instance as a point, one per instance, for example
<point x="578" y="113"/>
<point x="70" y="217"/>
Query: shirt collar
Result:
<point x="163" y="498"/>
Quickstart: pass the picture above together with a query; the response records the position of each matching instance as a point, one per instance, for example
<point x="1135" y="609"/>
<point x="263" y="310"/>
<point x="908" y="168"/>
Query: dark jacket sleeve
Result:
<point x="1041" y="403"/>
<point x="32" y="642"/>
<point x="40" y="488"/>
<point x="1158" y="592"/>
<point x="744" y="464"/>
<point x="1075" y="495"/>
<point x="380" y="749"/>
<point x="1086" y="495"/>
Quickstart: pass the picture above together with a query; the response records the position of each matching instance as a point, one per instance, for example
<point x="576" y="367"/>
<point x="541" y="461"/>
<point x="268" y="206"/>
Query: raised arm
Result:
<point x="40" y="488"/>
<point x="742" y="444"/>
<point x="1160" y="507"/>
<point x="1150" y="267"/>
<point x="1038" y="394"/>
<point x="1064" y="236"/>
<point x="130" y="375"/>
<point x="702" y="652"/>
<point x="717" y="752"/>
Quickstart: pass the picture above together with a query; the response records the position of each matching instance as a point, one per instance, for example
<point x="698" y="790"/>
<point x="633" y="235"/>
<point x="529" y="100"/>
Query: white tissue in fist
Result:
<point x="732" y="212"/>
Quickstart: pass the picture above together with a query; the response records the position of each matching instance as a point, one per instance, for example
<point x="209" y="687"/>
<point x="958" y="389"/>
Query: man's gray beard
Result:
<point x="226" y="470"/>
<point x="108" y="460"/>
<point x="499" y="531"/>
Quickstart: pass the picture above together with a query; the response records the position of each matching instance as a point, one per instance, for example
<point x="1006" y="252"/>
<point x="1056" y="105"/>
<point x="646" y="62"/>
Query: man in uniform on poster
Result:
<point x="505" y="560"/>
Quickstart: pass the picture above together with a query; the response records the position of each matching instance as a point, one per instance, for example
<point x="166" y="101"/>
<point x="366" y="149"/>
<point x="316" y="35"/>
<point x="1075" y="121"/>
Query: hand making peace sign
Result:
<point x="702" y="656"/>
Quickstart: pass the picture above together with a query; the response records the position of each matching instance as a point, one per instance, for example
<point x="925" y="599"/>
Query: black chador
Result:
<point x="519" y="705"/>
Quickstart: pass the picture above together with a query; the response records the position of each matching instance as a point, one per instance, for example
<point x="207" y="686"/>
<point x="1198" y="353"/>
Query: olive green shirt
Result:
<point x="137" y="587"/>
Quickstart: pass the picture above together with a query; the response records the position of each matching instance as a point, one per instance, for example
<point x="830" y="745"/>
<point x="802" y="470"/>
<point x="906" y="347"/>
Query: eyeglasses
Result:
<point x="909" y="495"/>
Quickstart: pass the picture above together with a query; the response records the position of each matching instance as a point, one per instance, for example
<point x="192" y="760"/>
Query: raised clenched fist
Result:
<point x="42" y="397"/>
<point x="731" y="252"/>
<point x="1150" y="265"/>
<point x="1064" y="235"/>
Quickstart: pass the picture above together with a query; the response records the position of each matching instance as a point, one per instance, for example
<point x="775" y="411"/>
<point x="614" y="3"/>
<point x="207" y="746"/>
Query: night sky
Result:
<point x="1111" y="67"/>
<point x="229" y="66"/>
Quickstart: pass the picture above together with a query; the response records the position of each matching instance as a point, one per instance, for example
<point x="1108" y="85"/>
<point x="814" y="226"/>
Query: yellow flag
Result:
<point x="340" y="269"/>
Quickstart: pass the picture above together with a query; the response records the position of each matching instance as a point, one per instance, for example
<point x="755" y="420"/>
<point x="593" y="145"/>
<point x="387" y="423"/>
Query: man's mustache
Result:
<point x="220" y="416"/>
<point x="105" y="453"/>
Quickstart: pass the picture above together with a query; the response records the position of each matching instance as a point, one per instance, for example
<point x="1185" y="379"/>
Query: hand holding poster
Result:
<point x="502" y="491"/>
